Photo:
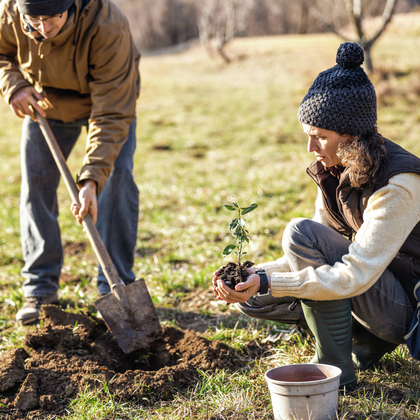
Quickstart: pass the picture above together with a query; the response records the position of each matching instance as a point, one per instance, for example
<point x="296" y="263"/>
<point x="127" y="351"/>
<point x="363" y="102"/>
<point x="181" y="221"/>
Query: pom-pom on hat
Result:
<point x="342" y="98"/>
<point x="43" y="7"/>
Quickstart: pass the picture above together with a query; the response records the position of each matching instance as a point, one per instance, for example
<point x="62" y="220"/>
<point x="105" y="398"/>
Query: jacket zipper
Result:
<point x="352" y="233"/>
<point x="41" y="58"/>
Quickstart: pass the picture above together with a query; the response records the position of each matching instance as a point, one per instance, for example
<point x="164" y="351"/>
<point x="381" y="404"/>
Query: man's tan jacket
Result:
<point x="90" y="69"/>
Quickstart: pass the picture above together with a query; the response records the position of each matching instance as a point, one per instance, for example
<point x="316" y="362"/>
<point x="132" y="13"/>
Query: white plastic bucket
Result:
<point x="304" y="391"/>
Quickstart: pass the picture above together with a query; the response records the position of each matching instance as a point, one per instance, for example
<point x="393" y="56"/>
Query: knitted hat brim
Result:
<point x="43" y="7"/>
<point x="340" y="119"/>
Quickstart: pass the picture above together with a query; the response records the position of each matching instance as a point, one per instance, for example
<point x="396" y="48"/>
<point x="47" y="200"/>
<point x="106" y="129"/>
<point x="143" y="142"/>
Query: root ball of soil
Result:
<point x="231" y="274"/>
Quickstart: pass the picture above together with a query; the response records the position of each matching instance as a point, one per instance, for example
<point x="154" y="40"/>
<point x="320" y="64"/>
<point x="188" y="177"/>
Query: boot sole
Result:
<point x="28" y="321"/>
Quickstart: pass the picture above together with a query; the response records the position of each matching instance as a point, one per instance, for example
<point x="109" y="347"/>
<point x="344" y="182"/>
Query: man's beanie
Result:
<point x="342" y="98"/>
<point x="43" y="7"/>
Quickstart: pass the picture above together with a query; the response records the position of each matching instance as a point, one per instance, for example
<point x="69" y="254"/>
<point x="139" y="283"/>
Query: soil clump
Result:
<point x="231" y="274"/>
<point x="72" y="352"/>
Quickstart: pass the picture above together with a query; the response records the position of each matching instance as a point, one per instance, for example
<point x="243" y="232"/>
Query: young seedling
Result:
<point x="237" y="228"/>
<point x="232" y="273"/>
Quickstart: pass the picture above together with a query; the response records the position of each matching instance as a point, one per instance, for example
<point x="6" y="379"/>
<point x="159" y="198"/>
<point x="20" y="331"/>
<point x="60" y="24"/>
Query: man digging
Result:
<point x="74" y="62"/>
<point x="350" y="272"/>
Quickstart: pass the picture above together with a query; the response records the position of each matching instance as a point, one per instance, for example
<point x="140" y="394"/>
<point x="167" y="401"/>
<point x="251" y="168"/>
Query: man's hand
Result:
<point x="88" y="201"/>
<point x="24" y="101"/>
<point x="242" y="292"/>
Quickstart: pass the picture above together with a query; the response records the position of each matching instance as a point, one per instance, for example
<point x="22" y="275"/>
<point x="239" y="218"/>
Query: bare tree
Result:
<point x="357" y="10"/>
<point x="304" y="16"/>
<point x="356" y="15"/>
<point x="221" y="21"/>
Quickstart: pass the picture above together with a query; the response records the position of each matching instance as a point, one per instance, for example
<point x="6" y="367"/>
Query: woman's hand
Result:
<point x="250" y="271"/>
<point x="242" y="292"/>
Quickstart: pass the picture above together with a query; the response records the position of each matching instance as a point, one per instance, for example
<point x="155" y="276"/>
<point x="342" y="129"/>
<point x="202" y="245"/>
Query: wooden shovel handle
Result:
<point x="108" y="267"/>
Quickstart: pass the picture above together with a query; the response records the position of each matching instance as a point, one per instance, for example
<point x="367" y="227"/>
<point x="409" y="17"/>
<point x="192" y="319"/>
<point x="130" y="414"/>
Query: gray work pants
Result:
<point x="384" y="309"/>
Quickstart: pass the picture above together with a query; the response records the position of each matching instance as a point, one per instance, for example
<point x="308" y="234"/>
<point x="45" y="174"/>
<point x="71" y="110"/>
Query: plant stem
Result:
<point x="240" y="243"/>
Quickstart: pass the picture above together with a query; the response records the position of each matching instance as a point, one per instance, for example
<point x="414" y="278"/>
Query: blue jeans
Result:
<point x="384" y="309"/>
<point x="118" y="205"/>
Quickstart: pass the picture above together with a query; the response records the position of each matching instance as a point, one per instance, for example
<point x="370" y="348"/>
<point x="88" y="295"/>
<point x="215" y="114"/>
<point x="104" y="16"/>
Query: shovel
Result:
<point x="128" y="310"/>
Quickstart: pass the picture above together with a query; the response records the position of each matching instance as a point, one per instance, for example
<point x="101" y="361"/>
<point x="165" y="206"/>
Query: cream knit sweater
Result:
<point x="390" y="216"/>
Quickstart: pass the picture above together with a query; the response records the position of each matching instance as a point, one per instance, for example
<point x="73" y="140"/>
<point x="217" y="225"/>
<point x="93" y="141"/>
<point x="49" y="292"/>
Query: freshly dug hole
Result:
<point x="73" y="351"/>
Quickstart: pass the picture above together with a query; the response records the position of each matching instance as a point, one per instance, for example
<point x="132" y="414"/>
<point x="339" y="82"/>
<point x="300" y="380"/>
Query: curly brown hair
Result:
<point x="363" y="157"/>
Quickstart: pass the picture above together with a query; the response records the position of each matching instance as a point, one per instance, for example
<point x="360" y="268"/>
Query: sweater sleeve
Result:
<point x="281" y="264"/>
<point x="391" y="214"/>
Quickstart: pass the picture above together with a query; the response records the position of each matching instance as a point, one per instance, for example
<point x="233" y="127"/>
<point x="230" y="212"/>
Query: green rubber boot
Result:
<point x="367" y="348"/>
<point x="331" y="324"/>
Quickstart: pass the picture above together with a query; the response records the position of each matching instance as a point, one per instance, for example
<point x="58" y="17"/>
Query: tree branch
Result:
<point x="386" y="18"/>
<point x="354" y="9"/>
<point x="324" y="24"/>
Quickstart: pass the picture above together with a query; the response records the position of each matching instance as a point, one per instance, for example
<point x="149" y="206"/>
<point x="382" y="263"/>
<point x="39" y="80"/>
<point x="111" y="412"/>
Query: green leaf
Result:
<point x="249" y="208"/>
<point x="235" y="204"/>
<point x="228" y="250"/>
<point x="243" y="253"/>
<point x="233" y="224"/>
<point x="238" y="230"/>
<point x="231" y="208"/>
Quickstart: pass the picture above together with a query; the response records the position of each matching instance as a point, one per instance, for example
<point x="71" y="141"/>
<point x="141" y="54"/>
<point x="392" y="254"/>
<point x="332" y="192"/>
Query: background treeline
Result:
<point x="163" y="23"/>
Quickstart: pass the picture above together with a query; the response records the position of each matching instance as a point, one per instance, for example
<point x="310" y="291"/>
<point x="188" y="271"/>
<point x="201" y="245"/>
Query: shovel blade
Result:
<point x="132" y="320"/>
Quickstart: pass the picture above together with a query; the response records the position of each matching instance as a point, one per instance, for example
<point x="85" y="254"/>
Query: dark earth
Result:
<point x="231" y="274"/>
<point x="72" y="352"/>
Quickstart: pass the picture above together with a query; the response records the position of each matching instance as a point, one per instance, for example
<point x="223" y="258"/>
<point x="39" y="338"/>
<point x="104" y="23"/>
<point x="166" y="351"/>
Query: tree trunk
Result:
<point x="223" y="54"/>
<point x="368" y="59"/>
<point x="304" y="18"/>
<point x="204" y="33"/>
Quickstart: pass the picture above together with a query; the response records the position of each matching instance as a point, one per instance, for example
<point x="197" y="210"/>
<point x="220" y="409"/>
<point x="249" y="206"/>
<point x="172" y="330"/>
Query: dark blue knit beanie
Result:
<point x="342" y="98"/>
<point x="43" y="7"/>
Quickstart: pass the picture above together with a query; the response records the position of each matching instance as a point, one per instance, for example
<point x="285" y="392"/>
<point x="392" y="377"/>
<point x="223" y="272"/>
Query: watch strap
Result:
<point x="263" y="281"/>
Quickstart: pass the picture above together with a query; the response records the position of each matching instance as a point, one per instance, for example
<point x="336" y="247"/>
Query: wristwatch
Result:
<point x="263" y="281"/>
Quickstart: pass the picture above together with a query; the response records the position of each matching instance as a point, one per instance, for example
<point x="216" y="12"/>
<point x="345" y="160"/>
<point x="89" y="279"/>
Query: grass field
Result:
<point x="209" y="133"/>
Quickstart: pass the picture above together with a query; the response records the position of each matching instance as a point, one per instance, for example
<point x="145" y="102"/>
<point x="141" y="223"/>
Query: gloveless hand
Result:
<point x="250" y="270"/>
<point x="24" y="101"/>
<point x="243" y="291"/>
<point x="88" y="201"/>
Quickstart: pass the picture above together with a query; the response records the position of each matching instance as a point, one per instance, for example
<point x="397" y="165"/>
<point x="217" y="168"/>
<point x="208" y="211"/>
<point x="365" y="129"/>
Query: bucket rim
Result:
<point x="336" y="375"/>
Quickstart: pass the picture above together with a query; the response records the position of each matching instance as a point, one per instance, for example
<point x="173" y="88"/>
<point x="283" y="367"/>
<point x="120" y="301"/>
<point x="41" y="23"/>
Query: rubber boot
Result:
<point x="331" y="324"/>
<point x="368" y="349"/>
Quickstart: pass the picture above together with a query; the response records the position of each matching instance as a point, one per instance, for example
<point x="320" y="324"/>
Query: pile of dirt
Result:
<point x="74" y="352"/>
